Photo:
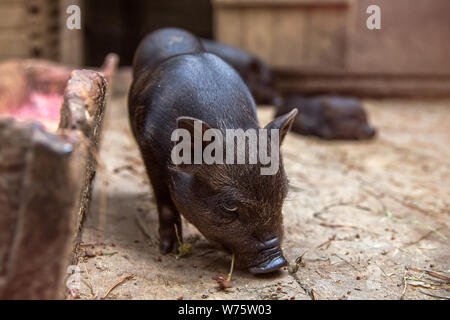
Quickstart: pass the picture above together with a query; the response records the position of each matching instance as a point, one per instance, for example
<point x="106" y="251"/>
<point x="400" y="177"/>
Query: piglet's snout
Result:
<point x="270" y="258"/>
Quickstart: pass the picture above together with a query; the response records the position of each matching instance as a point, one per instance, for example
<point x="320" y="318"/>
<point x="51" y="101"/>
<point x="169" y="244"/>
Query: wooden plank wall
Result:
<point x="414" y="38"/>
<point x="287" y="34"/>
<point x="324" y="45"/>
<point x="28" y="28"/>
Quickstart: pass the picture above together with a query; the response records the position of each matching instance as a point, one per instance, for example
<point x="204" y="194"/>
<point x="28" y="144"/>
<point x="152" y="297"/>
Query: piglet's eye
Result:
<point x="229" y="208"/>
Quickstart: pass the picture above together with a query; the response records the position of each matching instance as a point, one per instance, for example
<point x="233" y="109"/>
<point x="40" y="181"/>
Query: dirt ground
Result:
<point x="370" y="220"/>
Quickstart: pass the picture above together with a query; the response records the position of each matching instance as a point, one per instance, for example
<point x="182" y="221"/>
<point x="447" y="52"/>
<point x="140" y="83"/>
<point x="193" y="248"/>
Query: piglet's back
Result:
<point x="199" y="85"/>
<point x="162" y="44"/>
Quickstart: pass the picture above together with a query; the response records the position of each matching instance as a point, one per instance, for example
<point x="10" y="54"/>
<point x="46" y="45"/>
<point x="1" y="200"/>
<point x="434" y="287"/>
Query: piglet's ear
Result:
<point x="283" y="123"/>
<point x="188" y="123"/>
<point x="192" y="146"/>
<point x="195" y="127"/>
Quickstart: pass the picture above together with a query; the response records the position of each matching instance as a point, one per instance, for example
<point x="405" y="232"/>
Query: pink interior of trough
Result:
<point x="44" y="108"/>
<point x="33" y="90"/>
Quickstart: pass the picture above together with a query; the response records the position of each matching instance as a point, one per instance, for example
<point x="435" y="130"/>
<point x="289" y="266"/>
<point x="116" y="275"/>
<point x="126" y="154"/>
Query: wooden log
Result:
<point x="40" y="183"/>
<point x="45" y="188"/>
<point x="83" y="109"/>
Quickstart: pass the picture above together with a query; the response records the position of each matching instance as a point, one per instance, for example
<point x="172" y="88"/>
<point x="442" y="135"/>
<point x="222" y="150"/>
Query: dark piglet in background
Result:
<point x="329" y="117"/>
<point x="234" y="206"/>
<point x="255" y="72"/>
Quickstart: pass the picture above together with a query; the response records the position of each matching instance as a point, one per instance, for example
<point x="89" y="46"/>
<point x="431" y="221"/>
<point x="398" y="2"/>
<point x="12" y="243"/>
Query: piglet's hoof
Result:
<point x="165" y="246"/>
<point x="168" y="242"/>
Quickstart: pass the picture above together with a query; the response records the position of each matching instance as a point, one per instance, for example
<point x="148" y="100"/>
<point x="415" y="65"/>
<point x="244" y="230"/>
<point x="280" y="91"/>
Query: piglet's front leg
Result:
<point x="168" y="219"/>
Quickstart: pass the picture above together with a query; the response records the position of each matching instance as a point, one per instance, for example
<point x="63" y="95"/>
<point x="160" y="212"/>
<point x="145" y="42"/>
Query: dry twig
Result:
<point x="129" y="277"/>
<point x="327" y="243"/>
<point x="346" y="262"/>
<point x="434" y="295"/>
<point x="405" y="284"/>
<point x="91" y="287"/>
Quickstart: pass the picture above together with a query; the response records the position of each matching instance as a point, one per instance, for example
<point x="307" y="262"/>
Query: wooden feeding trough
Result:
<point x="50" y="124"/>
